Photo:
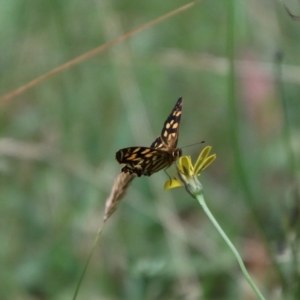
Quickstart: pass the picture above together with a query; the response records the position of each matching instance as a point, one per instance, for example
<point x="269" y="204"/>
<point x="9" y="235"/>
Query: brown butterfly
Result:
<point x="160" y="155"/>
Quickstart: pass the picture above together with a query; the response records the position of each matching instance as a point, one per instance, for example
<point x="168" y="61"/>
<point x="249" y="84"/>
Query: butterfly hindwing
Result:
<point x="142" y="160"/>
<point x="162" y="152"/>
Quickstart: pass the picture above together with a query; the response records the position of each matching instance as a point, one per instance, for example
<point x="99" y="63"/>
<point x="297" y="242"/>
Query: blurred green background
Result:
<point x="58" y="142"/>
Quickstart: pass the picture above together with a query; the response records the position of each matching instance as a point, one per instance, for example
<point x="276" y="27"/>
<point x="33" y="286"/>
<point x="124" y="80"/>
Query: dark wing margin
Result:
<point x="169" y="134"/>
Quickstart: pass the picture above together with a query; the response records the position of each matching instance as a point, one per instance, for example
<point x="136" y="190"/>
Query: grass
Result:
<point x="58" y="142"/>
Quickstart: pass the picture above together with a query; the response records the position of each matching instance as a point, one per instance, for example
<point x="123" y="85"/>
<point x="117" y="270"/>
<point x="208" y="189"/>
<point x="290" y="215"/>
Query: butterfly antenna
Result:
<point x="193" y="144"/>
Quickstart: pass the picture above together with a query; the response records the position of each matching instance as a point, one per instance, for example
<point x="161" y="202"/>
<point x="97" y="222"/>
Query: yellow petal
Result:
<point x="208" y="161"/>
<point x="185" y="166"/>
<point x="172" y="183"/>
<point x="201" y="161"/>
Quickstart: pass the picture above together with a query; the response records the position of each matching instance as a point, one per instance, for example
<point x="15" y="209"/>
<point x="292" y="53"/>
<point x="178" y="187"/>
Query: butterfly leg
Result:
<point x="165" y="170"/>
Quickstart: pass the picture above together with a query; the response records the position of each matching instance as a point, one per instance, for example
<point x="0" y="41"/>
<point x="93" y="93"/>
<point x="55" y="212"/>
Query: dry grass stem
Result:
<point x="118" y="191"/>
<point x="94" y="52"/>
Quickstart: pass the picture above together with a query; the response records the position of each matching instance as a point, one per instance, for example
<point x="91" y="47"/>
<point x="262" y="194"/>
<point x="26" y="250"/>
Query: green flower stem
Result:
<point x="200" y="198"/>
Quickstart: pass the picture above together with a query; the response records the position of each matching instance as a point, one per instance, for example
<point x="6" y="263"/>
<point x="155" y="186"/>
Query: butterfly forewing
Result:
<point x="162" y="152"/>
<point x="169" y="134"/>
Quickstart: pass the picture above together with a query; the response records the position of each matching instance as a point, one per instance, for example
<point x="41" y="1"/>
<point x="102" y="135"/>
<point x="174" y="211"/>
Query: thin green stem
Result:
<point x="292" y="163"/>
<point x="293" y="174"/>
<point x="201" y="200"/>
<point x="234" y="136"/>
<point x="88" y="260"/>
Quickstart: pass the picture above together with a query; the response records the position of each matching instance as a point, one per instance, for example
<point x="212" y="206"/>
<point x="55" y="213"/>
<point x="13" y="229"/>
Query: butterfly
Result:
<point x="161" y="154"/>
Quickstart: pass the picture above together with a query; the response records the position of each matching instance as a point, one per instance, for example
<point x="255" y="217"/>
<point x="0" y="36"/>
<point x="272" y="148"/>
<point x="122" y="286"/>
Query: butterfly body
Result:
<point x="161" y="154"/>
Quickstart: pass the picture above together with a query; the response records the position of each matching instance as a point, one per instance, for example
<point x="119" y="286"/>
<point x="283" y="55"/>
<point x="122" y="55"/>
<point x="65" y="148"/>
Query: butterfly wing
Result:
<point x="162" y="152"/>
<point x="169" y="134"/>
<point x="143" y="160"/>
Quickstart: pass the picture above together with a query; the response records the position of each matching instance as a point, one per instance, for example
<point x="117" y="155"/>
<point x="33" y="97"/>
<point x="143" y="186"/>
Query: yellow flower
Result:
<point x="187" y="173"/>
